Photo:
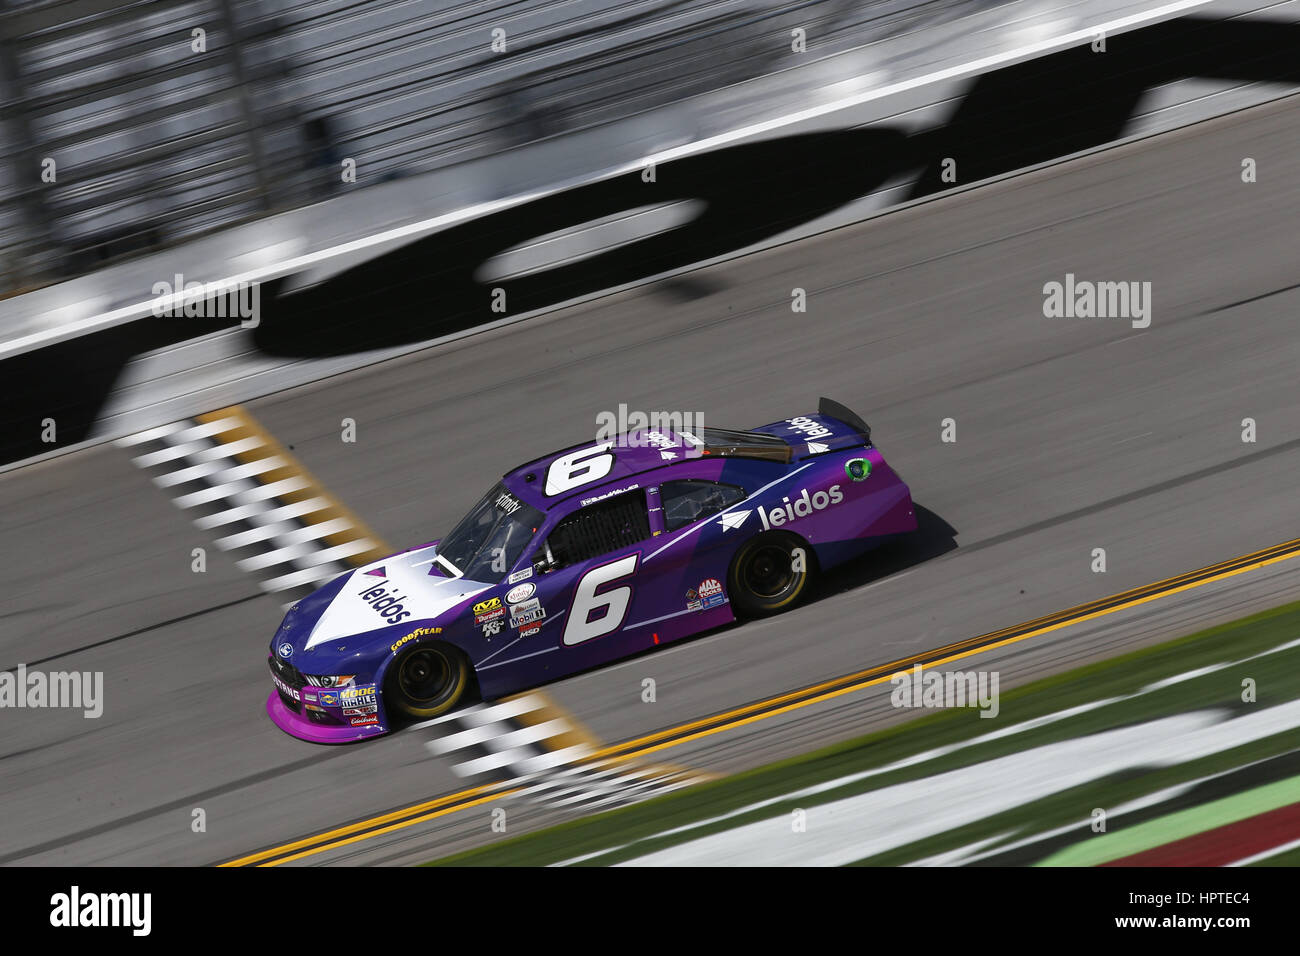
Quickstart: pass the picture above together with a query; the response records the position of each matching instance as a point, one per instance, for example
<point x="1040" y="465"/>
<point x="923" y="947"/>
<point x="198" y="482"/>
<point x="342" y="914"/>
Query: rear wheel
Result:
<point x="428" y="680"/>
<point x="770" y="573"/>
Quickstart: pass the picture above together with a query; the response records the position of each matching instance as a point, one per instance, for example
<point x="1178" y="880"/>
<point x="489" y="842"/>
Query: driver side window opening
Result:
<point x="687" y="501"/>
<point x="599" y="529"/>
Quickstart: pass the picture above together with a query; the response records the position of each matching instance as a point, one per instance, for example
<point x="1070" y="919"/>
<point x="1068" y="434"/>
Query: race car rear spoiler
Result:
<point x="833" y="409"/>
<point x="833" y="428"/>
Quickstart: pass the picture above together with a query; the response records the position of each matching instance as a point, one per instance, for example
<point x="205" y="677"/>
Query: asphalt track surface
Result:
<point x="1071" y="435"/>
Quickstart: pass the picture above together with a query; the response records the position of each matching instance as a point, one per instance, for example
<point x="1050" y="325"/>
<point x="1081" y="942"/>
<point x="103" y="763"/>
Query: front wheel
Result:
<point x="769" y="574"/>
<point x="428" y="681"/>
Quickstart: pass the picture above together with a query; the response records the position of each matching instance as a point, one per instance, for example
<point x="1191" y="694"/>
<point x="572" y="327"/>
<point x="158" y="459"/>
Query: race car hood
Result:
<point x="399" y="589"/>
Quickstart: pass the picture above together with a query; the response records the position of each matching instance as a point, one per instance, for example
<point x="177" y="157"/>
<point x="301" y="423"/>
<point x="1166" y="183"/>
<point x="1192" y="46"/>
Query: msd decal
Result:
<point x="802" y="507"/>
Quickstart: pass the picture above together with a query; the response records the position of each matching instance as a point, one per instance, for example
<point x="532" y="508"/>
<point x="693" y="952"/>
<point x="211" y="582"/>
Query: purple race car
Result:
<point x="584" y="557"/>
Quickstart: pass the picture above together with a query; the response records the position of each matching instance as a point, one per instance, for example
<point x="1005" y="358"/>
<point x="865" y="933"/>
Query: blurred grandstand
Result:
<point x="158" y="134"/>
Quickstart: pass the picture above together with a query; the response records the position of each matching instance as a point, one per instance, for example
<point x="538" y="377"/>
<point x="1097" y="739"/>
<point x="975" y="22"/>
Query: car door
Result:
<point x="699" y="564"/>
<point x="587" y="582"/>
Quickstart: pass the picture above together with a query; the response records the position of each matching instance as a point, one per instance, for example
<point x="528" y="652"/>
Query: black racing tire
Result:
<point x="763" y="579"/>
<point x="427" y="681"/>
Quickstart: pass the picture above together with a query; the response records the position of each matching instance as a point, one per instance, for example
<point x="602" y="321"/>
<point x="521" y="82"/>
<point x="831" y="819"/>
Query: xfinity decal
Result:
<point x="521" y="593"/>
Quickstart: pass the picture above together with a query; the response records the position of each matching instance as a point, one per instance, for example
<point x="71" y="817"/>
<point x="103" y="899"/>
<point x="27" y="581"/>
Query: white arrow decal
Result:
<point x="733" y="519"/>
<point x="816" y="448"/>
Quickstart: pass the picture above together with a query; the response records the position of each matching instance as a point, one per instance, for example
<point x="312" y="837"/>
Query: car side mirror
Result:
<point x="541" y="565"/>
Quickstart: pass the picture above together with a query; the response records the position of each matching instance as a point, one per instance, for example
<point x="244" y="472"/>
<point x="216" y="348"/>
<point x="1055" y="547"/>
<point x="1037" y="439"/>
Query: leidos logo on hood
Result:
<point x="396" y="590"/>
<point x="803" y="506"/>
<point x="386" y="601"/>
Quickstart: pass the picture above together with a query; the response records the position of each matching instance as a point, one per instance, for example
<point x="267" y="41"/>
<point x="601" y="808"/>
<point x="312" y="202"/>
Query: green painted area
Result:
<point x="1176" y="826"/>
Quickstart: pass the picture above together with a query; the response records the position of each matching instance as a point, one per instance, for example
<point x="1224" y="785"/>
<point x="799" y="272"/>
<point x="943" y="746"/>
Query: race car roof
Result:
<point x="633" y="453"/>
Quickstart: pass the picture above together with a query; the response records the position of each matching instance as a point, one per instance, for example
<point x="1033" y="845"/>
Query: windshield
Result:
<point x="489" y="540"/>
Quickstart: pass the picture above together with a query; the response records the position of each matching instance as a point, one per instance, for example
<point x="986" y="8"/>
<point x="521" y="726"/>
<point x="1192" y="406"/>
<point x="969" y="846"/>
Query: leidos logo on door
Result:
<point x="802" y="507"/>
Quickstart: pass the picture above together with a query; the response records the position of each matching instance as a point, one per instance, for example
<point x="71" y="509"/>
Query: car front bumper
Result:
<point x="305" y="729"/>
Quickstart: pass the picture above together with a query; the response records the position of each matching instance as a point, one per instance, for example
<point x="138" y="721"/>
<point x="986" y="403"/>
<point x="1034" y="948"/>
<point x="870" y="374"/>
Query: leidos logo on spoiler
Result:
<point x="808" y="427"/>
<point x="803" y="506"/>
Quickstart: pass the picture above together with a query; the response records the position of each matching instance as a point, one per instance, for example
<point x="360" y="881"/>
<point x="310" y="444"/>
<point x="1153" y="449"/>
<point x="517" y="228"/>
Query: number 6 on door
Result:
<point x="586" y="601"/>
